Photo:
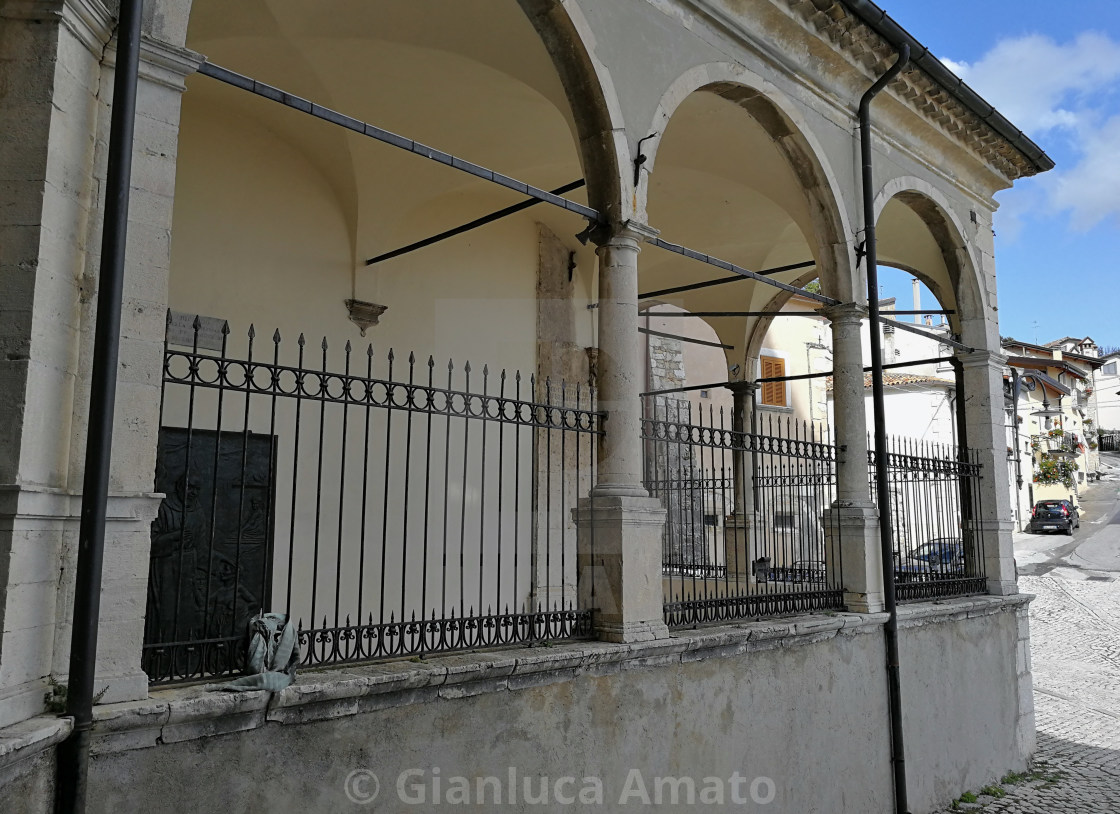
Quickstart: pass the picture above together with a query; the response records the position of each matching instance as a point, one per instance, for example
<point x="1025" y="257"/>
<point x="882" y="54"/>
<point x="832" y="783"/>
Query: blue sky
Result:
<point x="1054" y="70"/>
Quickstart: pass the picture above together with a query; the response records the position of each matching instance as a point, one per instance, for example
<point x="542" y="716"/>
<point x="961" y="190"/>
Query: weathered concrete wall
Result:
<point x="795" y="706"/>
<point x="966" y="723"/>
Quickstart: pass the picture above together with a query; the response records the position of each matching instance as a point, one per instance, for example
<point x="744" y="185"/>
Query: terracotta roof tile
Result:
<point x="897" y="379"/>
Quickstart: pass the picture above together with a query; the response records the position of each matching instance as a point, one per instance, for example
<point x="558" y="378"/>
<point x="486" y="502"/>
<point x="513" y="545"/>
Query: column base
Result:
<point x="619" y="554"/>
<point x="861" y="562"/>
<point x="632" y="632"/>
<point x="738" y="545"/>
<point x="999" y="560"/>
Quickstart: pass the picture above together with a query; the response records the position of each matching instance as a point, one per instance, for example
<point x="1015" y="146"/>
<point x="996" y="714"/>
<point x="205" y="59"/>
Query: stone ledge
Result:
<point x="189" y="713"/>
<point x="958" y="608"/>
<point x="197" y="712"/>
<point x="28" y="738"/>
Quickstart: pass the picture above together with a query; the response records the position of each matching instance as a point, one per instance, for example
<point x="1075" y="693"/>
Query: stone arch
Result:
<point x="964" y="291"/>
<point x="603" y="147"/>
<point x="782" y="120"/>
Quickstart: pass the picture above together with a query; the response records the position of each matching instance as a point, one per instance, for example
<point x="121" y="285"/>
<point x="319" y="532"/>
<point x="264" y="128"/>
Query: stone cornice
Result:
<point x="161" y="63"/>
<point x="90" y="22"/>
<point x="870" y="53"/>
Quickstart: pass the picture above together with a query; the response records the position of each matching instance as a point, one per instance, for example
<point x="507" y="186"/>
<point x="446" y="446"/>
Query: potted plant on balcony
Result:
<point x="1050" y="470"/>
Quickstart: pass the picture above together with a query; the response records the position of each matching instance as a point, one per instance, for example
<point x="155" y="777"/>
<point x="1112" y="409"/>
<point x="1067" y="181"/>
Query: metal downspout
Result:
<point x="73" y="753"/>
<point x="898" y="752"/>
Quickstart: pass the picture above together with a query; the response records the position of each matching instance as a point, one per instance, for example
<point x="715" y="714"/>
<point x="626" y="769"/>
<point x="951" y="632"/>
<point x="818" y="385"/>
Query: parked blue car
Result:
<point x="940" y="557"/>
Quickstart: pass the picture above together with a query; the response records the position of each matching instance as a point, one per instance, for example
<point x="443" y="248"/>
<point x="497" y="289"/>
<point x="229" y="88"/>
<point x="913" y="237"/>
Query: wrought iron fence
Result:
<point x="393" y="508"/>
<point x="935" y="511"/>
<point x="747" y="532"/>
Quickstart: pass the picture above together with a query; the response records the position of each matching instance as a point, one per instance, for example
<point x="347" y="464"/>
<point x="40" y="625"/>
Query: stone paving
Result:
<point x="1075" y="649"/>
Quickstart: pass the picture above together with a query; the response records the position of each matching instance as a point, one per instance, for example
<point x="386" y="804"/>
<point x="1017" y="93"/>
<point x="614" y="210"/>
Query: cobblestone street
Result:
<point x="1075" y="638"/>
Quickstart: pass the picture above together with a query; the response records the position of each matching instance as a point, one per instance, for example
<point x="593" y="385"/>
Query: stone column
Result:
<point x="852" y="524"/>
<point x="59" y="57"/>
<point x="984" y="417"/>
<point x="739" y="527"/>
<point x="620" y="525"/>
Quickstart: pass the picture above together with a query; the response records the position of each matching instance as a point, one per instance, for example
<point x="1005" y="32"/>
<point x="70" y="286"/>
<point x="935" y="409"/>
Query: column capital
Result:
<point x="844" y="312"/>
<point x="743" y="387"/>
<point x="160" y="62"/>
<point x="630" y="233"/>
<point x="982" y="358"/>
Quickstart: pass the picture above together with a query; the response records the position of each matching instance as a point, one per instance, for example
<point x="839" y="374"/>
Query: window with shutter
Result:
<point x="773" y="393"/>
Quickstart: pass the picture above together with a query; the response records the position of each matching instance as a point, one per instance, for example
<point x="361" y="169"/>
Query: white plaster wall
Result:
<point x="925" y="416"/>
<point x="262" y="238"/>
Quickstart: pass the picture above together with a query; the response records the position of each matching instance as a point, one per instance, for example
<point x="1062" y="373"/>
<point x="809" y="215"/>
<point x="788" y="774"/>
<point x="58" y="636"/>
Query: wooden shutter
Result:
<point x="773" y="393"/>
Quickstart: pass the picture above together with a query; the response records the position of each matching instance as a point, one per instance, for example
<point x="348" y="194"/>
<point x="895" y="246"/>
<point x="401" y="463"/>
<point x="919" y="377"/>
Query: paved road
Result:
<point x="1075" y="649"/>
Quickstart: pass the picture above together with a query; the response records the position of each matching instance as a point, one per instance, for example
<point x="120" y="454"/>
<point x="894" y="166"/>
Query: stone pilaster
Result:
<point x="984" y="418"/>
<point x="162" y="73"/>
<point x="49" y="55"/>
<point x="852" y="523"/>
<point x="59" y="56"/>
<point x="620" y="525"/>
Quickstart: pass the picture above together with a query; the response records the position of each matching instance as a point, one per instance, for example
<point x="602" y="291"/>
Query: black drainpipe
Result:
<point x="73" y="753"/>
<point x="894" y="684"/>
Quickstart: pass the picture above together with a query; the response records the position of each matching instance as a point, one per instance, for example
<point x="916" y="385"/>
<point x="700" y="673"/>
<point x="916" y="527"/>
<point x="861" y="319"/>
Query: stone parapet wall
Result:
<point x="702" y="704"/>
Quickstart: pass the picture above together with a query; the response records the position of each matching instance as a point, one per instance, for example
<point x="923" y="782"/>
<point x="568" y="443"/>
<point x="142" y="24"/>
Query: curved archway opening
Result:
<point x="736" y="179"/>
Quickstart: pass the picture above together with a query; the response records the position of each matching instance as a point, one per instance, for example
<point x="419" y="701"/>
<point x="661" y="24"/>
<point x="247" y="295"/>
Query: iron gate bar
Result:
<point x="686" y="339"/>
<point x="722" y="280"/>
<point x="729" y="385"/>
<point x="742" y="272"/>
<point x="386" y="137"/>
<point x="476" y="223"/>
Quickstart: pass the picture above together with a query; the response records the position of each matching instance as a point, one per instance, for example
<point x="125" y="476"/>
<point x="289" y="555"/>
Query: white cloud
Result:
<point x="1090" y="190"/>
<point x="1061" y="95"/>
<point x="1040" y="85"/>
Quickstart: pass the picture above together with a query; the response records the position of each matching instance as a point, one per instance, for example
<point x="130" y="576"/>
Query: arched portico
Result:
<point x="920" y="232"/>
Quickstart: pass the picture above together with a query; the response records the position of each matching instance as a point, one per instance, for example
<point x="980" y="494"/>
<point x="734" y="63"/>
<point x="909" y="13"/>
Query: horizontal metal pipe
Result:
<point x="944" y="340"/>
<point x="686" y="339"/>
<point x="474" y="224"/>
<point x="723" y="280"/>
<point x="386" y="137"/>
<point x="922" y="312"/>
<point x="720" y="314"/>
<point x="723" y="264"/>
<point x="798" y="377"/>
